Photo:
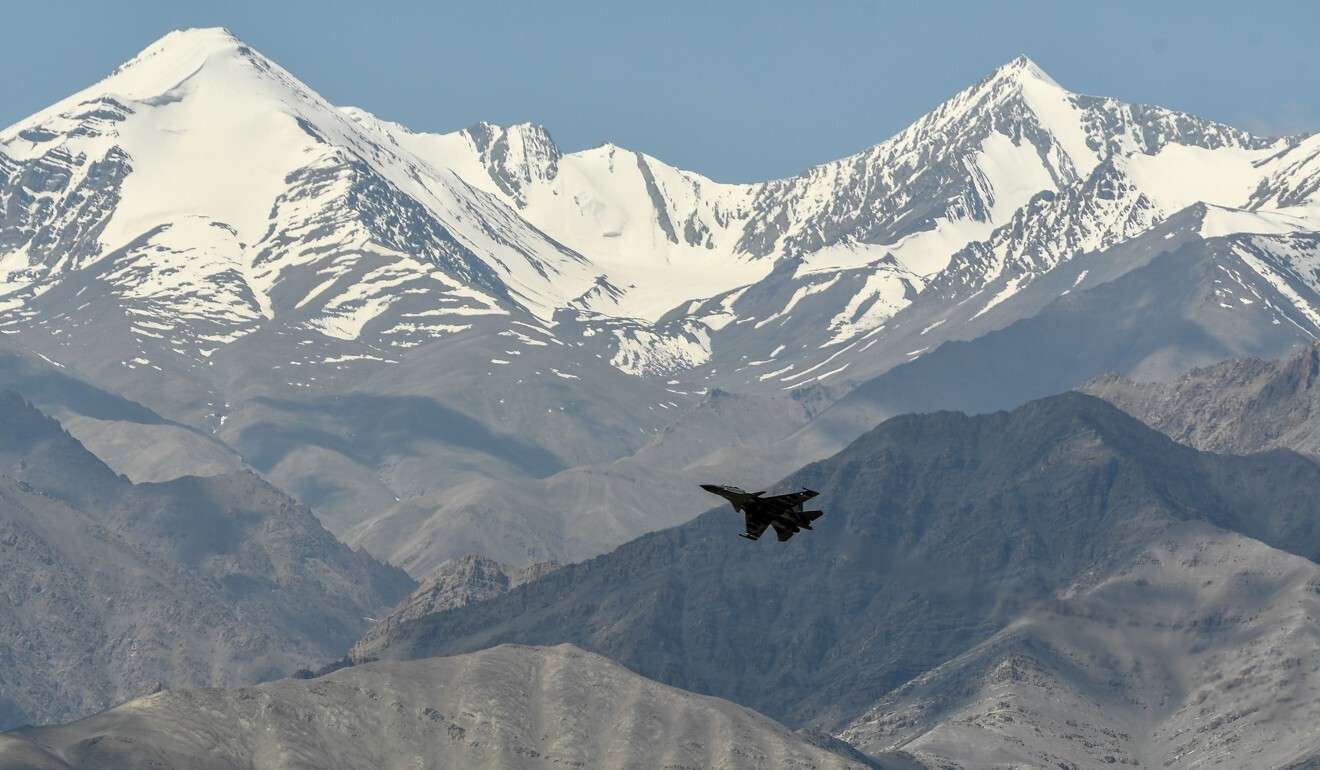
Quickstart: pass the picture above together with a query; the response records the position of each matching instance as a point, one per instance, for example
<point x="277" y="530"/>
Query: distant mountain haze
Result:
<point x="114" y="590"/>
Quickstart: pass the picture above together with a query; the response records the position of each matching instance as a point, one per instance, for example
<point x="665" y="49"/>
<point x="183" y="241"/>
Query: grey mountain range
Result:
<point x="1117" y="598"/>
<point x="1196" y="652"/>
<point x="462" y="582"/>
<point x="954" y="546"/>
<point x="1156" y="312"/>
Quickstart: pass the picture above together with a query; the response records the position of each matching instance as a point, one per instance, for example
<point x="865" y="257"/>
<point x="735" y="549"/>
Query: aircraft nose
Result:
<point x="711" y="488"/>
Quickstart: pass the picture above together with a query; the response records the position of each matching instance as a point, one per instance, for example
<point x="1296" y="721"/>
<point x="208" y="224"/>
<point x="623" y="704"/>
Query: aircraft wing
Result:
<point x="755" y="526"/>
<point x="792" y="498"/>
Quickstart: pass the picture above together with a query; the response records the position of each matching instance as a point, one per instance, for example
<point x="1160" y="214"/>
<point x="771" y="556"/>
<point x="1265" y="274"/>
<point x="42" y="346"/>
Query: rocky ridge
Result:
<point x="1237" y="406"/>
<point x="510" y="706"/>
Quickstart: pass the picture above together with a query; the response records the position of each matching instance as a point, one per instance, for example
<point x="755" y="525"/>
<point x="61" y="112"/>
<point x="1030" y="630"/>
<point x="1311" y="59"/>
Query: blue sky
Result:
<point x="739" y="91"/>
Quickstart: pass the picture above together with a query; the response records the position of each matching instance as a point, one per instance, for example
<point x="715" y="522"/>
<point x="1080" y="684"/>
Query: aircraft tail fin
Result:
<point x="813" y="515"/>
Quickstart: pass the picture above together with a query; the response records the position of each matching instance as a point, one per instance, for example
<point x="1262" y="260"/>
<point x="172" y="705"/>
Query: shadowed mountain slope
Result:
<point x="113" y="589"/>
<point x="127" y="436"/>
<point x="1147" y="314"/>
<point x="1198" y="651"/>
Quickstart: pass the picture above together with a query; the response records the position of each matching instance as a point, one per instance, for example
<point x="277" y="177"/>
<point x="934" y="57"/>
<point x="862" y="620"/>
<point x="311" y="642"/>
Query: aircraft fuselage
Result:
<point x="783" y="512"/>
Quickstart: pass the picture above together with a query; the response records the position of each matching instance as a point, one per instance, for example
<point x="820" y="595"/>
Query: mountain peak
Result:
<point x="1023" y="69"/>
<point x="516" y="155"/>
<point x="174" y="59"/>
<point x="186" y="46"/>
<point x="196" y="104"/>
<point x="171" y="61"/>
<point x="214" y="37"/>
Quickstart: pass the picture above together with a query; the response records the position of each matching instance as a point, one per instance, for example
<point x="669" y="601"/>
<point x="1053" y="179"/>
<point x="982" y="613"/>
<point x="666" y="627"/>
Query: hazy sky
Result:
<point x="739" y="91"/>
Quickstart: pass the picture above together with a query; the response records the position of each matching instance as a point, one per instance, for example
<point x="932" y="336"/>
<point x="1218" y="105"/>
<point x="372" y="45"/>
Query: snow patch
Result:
<point x="1180" y="175"/>
<point x="642" y="351"/>
<point x="1220" y="221"/>
<point x="1280" y="285"/>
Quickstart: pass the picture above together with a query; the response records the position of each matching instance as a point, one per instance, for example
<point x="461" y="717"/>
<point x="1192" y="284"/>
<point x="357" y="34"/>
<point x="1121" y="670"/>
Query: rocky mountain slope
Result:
<point x="462" y="582"/>
<point x="941" y="532"/>
<point x="586" y="510"/>
<point x="1198" y="651"/>
<point x="125" y="435"/>
<point x="1237" y="406"/>
<point x="111" y="590"/>
<point x="509" y="707"/>
<point x="478" y="342"/>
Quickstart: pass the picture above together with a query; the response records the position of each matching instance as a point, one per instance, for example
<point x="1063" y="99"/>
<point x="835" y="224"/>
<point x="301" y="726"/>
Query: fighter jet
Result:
<point x="783" y="512"/>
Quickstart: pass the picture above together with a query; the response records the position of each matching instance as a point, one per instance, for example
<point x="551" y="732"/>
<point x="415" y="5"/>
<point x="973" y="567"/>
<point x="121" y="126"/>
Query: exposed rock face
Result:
<point x="1236" y="407"/>
<point x="940" y="531"/>
<point x="468" y="580"/>
<point x="509" y="707"/>
<point x="110" y="590"/>
<point x="1199" y="651"/>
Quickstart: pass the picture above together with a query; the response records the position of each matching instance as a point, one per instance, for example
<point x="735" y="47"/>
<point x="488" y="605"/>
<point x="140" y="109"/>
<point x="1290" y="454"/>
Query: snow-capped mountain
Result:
<point x="372" y="316"/>
<point x="218" y="196"/>
<point x="481" y="343"/>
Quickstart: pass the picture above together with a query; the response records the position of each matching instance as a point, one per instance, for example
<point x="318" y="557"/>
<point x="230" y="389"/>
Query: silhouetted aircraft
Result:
<point x="783" y="512"/>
